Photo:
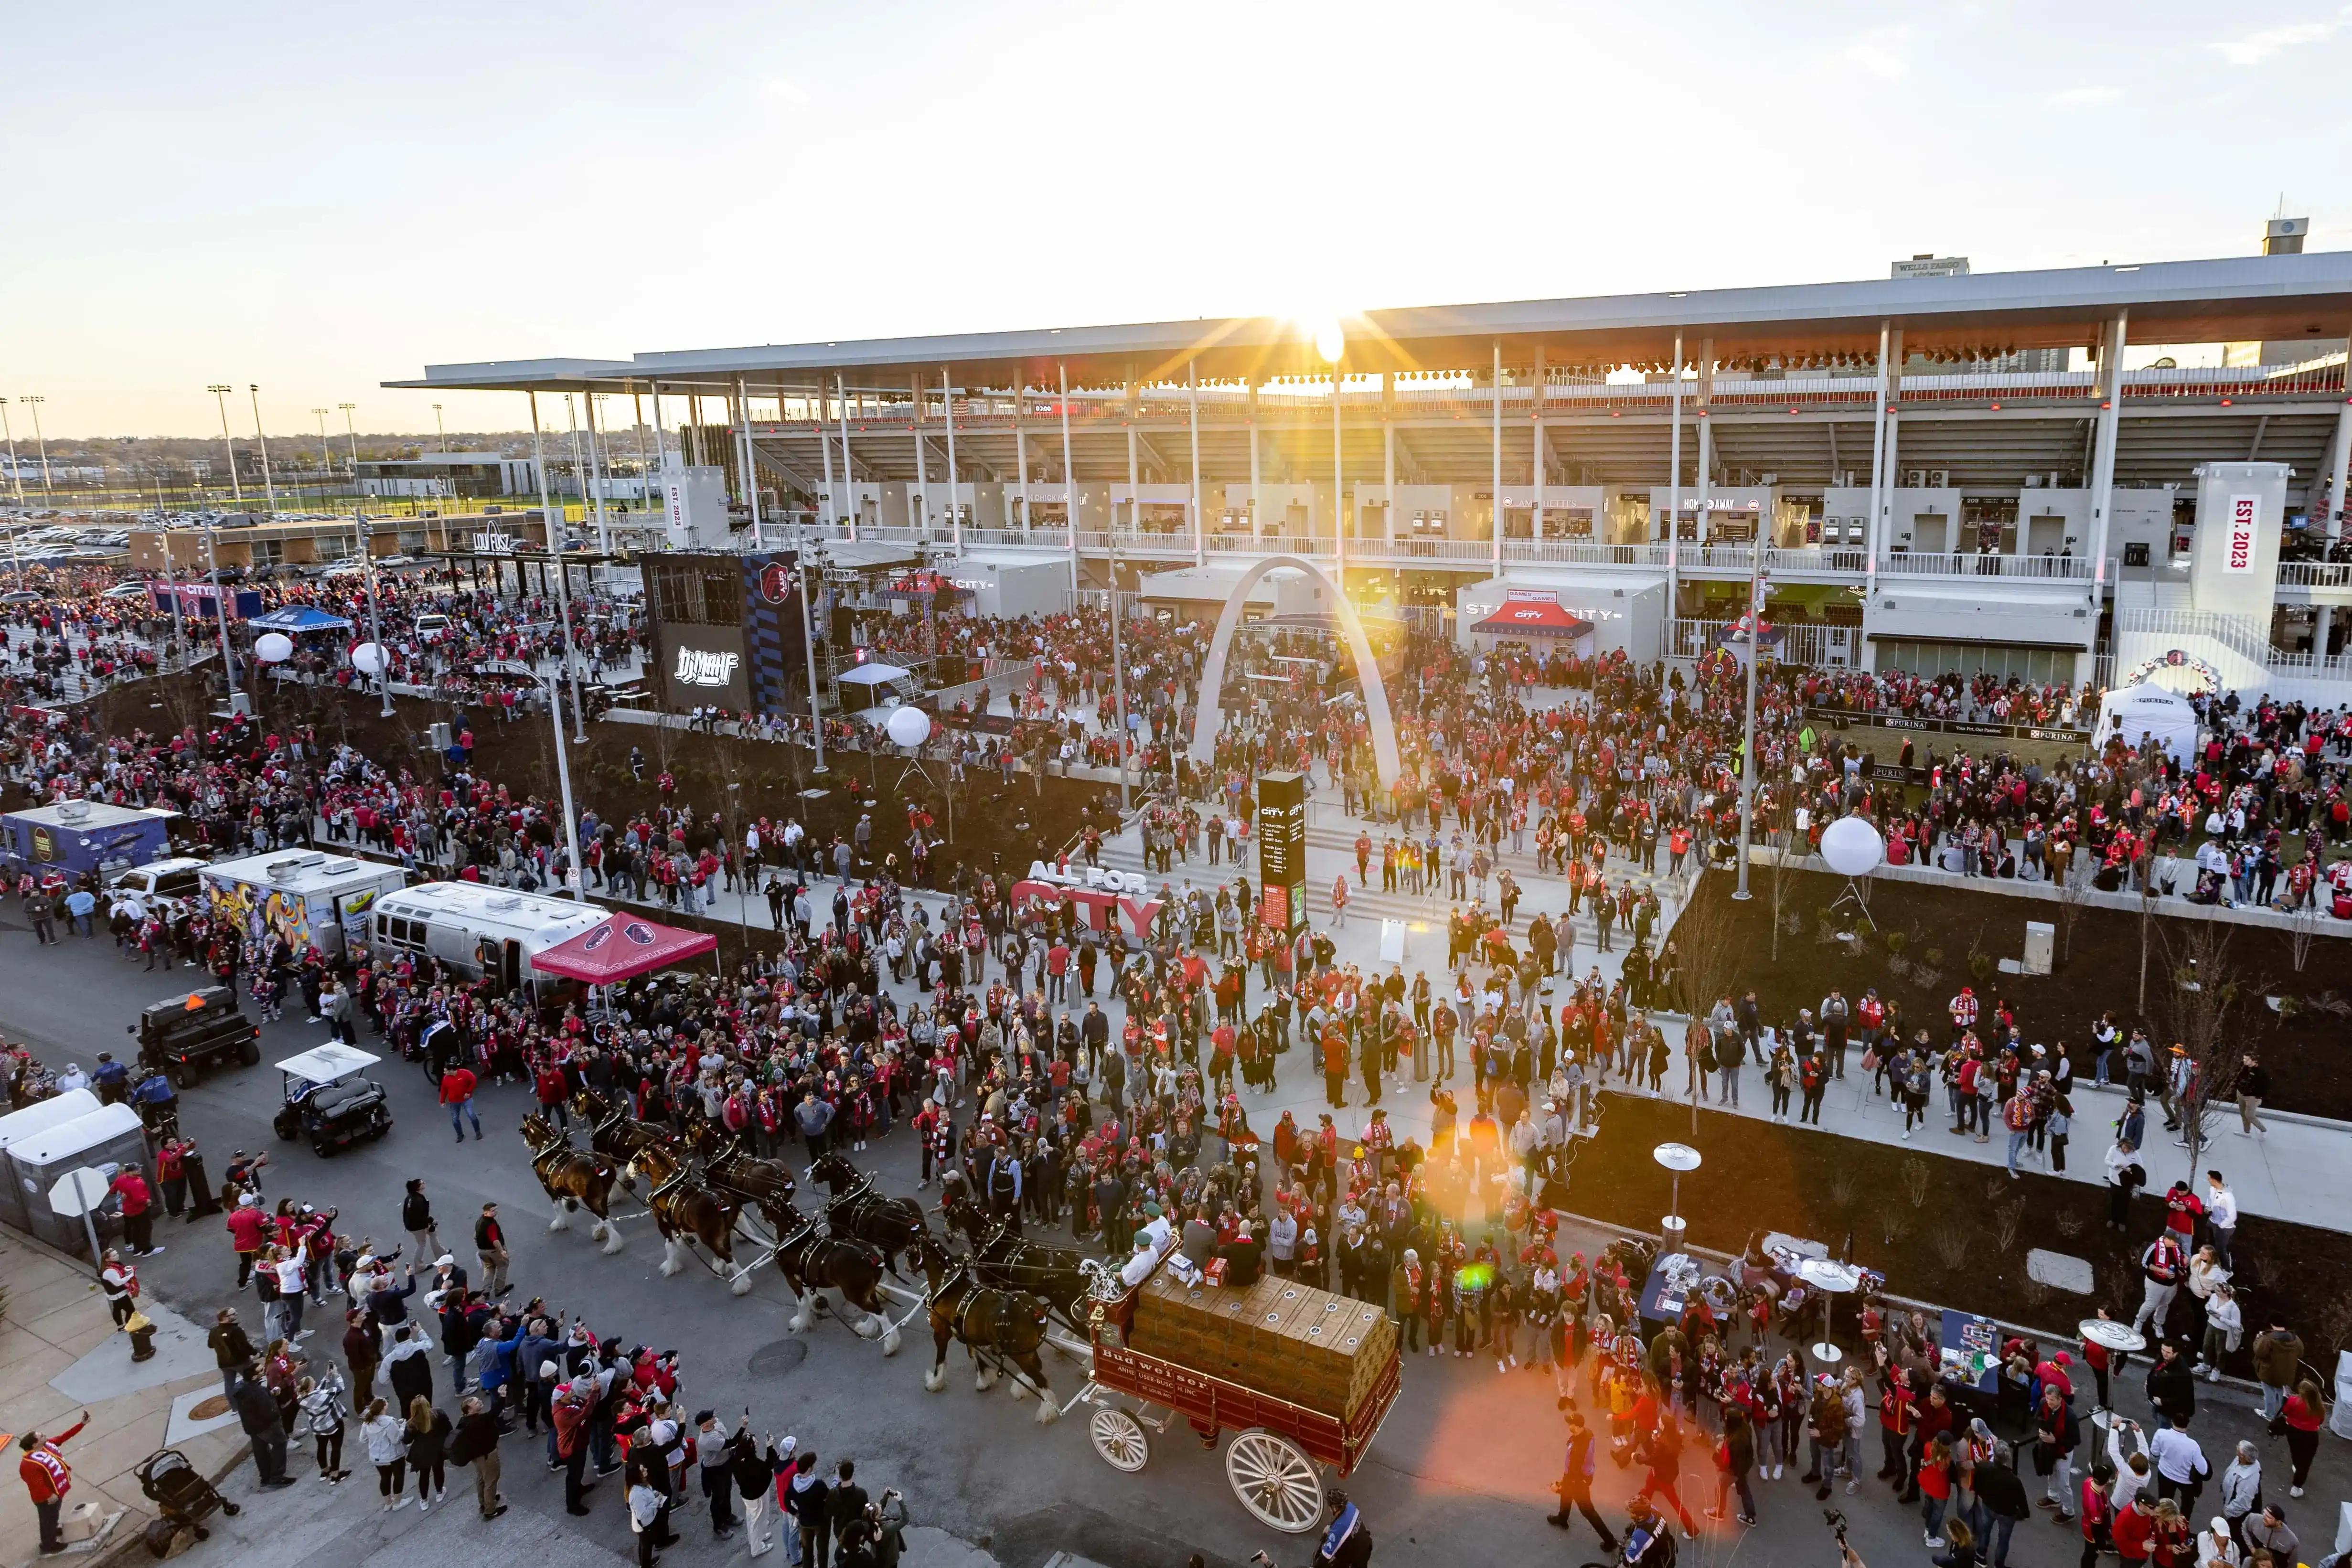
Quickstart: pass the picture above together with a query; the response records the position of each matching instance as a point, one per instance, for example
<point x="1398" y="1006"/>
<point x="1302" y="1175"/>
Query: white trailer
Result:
<point x="480" y="930"/>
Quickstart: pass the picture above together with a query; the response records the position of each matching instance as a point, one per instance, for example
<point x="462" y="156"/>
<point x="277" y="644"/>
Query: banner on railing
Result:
<point x="1840" y="717"/>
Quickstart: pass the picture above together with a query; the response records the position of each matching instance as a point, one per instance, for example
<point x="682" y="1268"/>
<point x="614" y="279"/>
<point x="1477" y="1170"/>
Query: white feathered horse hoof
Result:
<point x="562" y="1218"/>
<point x="935" y="1380"/>
<point x="984" y="1380"/>
<point x="740" y="1285"/>
<point x="890" y="1340"/>
<point x="1048" y="1411"/>
<point x="1020" y="1386"/>
<point x="612" y="1243"/>
<point x="671" y="1262"/>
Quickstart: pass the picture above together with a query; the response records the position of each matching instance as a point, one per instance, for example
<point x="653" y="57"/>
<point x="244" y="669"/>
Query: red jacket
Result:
<point x="2131" y="1532"/>
<point x="247" y="1227"/>
<point x="457" y="1084"/>
<point x="44" y="1469"/>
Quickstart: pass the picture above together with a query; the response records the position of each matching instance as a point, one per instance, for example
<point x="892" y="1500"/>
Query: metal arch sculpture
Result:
<point x="1211" y="716"/>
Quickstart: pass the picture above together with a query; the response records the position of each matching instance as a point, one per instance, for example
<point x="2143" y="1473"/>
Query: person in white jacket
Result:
<point x="2223" y="1324"/>
<point x="388" y="1447"/>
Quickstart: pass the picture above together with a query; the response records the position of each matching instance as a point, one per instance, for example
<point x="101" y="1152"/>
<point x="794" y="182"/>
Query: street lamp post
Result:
<point x="554" y="531"/>
<point x="352" y="431"/>
<point x="220" y="390"/>
<point x="15" y="475"/>
<point x="574" y="879"/>
<point x="326" y="456"/>
<point x="49" y="492"/>
<point x="220" y="613"/>
<point x="269" y="485"/>
<point x="1748" y="747"/>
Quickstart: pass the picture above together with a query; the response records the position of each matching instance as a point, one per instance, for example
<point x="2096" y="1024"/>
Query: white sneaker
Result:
<point x="398" y="1503"/>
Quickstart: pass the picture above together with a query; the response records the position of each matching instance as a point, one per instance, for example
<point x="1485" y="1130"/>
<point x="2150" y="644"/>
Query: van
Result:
<point x="432" y="628"/>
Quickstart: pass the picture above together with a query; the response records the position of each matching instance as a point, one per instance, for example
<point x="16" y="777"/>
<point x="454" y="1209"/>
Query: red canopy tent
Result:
<point x="620" y="947"/>
<point x="1533" y="618"/>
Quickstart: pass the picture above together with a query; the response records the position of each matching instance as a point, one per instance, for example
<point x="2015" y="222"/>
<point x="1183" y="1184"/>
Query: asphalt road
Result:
<point x="1462" y="1469"/>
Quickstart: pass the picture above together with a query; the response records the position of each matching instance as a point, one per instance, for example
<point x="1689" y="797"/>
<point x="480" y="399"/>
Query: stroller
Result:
<point x="182" y="1496"/>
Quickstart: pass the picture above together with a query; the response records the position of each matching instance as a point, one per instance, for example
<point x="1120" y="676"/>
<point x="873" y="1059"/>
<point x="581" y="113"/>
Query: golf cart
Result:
<point x="330" y="1099"/>
<point x="180" y="1034"/>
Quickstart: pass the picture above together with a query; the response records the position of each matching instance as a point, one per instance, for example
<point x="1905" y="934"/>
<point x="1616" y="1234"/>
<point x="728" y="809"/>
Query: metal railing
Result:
<point x="2240" y="634"/>
<point x="2315" y="574"/>
<point x="1810" y="643"/>
<point x="2034" y="568"/>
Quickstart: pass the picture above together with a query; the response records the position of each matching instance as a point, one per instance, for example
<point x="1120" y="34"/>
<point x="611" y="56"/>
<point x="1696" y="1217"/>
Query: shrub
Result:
<point x="1896" y="942"/>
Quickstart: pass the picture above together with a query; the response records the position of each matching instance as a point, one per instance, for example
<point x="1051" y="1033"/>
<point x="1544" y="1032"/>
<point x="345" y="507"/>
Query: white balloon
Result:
<point x="367" y="658"/>
<point x="908" y="726"/>
<point x="1853" y="847"/>
<point x="273" y="647"/>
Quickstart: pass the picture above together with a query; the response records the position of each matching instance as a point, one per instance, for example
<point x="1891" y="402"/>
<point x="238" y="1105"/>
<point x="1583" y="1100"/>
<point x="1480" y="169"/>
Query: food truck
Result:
<point x="312" y="900"/>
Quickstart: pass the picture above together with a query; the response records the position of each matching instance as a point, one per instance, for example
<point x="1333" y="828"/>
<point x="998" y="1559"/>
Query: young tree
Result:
<point x="2207" y="984"/>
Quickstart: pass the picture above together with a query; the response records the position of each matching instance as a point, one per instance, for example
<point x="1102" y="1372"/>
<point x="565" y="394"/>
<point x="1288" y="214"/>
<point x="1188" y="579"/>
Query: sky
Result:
<point x="320" y="199"/>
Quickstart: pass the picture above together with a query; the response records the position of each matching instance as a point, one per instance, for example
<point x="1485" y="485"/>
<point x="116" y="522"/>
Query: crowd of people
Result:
<point x="1055" y="1073"/>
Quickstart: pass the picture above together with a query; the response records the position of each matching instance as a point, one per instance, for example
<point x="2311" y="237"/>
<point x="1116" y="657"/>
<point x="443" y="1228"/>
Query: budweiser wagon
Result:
<point x="1301" y="1377"/>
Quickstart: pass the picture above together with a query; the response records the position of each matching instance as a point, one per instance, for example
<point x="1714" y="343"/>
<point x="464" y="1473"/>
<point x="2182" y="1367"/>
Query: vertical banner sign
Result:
<point x="2240" y="554"/>
<point x="1282" y="849"/>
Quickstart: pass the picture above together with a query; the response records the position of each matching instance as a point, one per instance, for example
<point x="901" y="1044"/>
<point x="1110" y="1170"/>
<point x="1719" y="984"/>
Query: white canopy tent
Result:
<point x="2145" y="710"/>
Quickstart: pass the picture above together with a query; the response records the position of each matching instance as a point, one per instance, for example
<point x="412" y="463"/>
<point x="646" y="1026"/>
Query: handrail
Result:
<point x="2038" y="567"/>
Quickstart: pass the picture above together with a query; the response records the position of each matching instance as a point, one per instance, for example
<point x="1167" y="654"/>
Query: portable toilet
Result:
<point x="37" y="1117"/>
<point x="107" y="1138"/>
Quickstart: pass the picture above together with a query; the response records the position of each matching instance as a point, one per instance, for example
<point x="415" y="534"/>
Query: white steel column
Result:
<point x="750" y="463"/>
<point x="1339" y="488"/>
<point x="1070" y="486"/>
<point x="1674" y="482"/>
<point x="1388" y="458"/>
<point x="661" y="454"/>
<point x="955" y="501"/>
<point x="1021" y="462"/>
<point x="1498" y="439"/>
<point x="2338" y="474"/>
<point x="825" y="450"/>
<point x="2102" y="464"/>
<point x="1704" y="480"/>
<point x="848" y="469"/>
<point x="1895" y="436"/>
<point x="1134" y="482"/>
<point x="1536" y="457"/>
<point x="595" y="479"/>
<point x="1257" y="507"/>
<point x="922" y="517"/>
<point x="1192" y="396"/>
<point x="1875" y="537"/>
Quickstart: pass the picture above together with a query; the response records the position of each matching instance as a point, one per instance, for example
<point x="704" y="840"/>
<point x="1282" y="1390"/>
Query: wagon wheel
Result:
<point x="1276" y="1480"/>
<point x="1118" y="1439"/>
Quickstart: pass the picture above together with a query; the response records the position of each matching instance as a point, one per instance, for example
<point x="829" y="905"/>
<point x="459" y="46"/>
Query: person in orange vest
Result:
<point x="48" y="1478"/>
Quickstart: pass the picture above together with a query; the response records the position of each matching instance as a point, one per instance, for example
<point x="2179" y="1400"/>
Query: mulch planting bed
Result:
<point x="995" y="826"/>
<point x="2098" y="970"/>
<point x="1945" y="1230"/>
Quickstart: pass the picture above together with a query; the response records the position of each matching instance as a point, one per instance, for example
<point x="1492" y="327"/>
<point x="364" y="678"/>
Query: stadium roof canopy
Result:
<point x="2231" y="299"/>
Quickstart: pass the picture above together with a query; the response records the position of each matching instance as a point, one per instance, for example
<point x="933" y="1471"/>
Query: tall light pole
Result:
<point x="439" y="435"/>
<point x="1755" y="654"/>
<point x="367" y="563"/>
<point x="575" y="879"/>
<point x="562" y="582"/>
<point x="220" y="390"/>
<point x="15" y="475"/>
<point x="326" y="458"/>
<point x="269" y="485"/>
<point x="47" y="493"/>
<point x="220" y="613"/>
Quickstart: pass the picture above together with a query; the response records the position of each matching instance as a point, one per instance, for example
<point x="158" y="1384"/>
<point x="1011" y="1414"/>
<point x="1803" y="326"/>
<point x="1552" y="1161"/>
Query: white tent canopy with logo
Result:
<point x="2131" y="713"/>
